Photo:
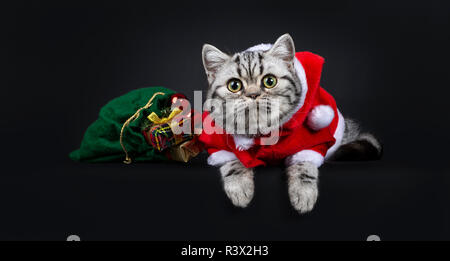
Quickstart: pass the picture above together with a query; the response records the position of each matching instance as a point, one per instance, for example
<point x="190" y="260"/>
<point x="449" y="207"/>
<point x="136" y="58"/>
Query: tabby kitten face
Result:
<point x="257" y="90"/>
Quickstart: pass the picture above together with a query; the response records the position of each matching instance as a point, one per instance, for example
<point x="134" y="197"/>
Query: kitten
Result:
<point x="273" y="89"/>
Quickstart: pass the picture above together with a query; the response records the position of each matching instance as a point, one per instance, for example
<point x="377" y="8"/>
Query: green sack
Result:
<point x="102" y="139"/>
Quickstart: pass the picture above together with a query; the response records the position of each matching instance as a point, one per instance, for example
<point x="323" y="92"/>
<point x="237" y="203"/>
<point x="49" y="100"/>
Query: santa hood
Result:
<point x="309" y="69"/>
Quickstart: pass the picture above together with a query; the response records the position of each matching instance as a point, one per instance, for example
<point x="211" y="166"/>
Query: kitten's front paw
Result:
<point x="302" y="183"/>
<point x="238" y="184"/>
<point x="303" y="198"/>
<point x="239" y="190"/>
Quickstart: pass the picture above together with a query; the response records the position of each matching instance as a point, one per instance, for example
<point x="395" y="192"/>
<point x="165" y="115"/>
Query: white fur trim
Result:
<point x="220" y="157"/>
<point x="320" y="117"/>
<point x="338" y="135"/>
<point x="302" y="76"/>
<point x="305" y="156"/>
<point x="242" y="142"/>
<point x="259" y="47"/>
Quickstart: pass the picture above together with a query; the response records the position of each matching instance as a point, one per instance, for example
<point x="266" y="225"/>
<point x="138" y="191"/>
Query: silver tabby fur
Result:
<point x="274" y="106"/>
<point x="250" y="67"/>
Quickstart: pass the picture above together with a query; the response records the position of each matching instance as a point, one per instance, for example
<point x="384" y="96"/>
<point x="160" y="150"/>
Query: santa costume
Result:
<point x="312" y="134"/>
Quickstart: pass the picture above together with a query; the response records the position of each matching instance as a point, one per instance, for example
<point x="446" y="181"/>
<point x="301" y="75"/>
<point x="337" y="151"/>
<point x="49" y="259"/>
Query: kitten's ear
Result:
<point x="213" y="59"/>
<point x="284" y="48"/>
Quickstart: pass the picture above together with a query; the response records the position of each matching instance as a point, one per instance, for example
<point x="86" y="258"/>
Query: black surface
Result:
<point x="386" y="65"/>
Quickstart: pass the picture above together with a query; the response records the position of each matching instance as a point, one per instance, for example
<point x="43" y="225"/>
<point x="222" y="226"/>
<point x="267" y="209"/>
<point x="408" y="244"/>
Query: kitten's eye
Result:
<point x="234" y="85"/>
<point x="269" y="81"/>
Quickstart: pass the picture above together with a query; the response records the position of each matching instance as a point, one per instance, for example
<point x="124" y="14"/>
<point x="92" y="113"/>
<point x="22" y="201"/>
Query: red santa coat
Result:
<point x="295" y="135"/>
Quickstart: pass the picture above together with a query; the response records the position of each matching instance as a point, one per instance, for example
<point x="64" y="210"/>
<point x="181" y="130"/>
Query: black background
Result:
<point x="386" y="65"/>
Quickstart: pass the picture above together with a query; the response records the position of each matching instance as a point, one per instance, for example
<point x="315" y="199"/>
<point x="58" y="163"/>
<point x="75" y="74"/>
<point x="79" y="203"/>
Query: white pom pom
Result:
<point x="320" y="117"/>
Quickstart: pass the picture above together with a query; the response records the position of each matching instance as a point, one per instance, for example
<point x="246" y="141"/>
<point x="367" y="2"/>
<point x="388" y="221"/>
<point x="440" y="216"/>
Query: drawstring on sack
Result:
<point x="132" y="118"/>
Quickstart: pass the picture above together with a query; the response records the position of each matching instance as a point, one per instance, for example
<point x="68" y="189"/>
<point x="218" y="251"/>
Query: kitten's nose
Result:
<point x="253" y="95"/>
